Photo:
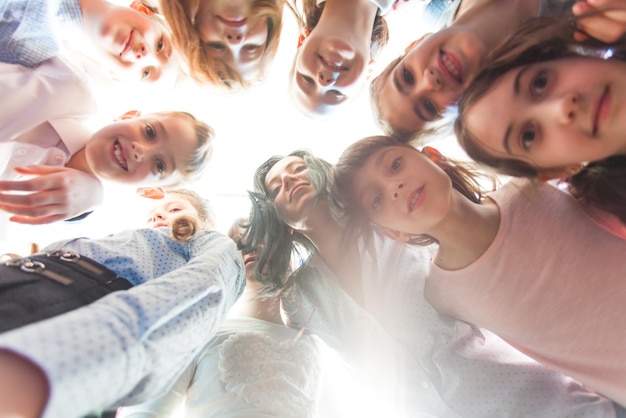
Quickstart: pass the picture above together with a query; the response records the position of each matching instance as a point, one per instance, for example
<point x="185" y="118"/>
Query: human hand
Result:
<point x="607" y="22"/>
<point x="24" y="388"/>
<point x="53" y="194"/>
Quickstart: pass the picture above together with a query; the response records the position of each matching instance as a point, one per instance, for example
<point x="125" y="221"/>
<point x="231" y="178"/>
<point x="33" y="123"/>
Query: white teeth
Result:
<point x="450" y="66"/>
<point x="117" y="150"/>
<point x="414" y="200"/>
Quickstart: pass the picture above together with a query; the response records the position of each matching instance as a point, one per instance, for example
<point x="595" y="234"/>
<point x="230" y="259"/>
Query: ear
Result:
<point x="560" y="172"/>
<point x="151" y="192"/>
<point x="305" y="34"/>
<point x="129" y="115"/>
<point x="395" y="235"/>
<point x="433" y="154"/>
<point x="141" y="7"/>
<point x="416" y="42"/>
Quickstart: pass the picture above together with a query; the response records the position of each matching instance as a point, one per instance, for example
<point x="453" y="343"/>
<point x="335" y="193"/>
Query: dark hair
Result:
<point x="312" y="13"/>
<point x="202" y="66"/>
<point x="539" y="40"/>
<point x="464" y="176"/>
<point x="278" y="244"/>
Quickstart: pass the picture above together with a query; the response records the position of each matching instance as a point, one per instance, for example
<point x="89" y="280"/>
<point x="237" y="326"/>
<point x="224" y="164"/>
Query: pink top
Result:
<point x="552" y="284"/>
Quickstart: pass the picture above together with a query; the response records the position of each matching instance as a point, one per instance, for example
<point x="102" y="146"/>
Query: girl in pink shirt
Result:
<point x="525" y="262"/>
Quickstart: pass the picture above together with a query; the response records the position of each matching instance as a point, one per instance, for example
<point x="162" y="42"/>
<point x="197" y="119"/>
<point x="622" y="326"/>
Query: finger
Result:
<point x="30" y="185"/>
<point x="33" y="211"/>
<point x="37" y="220"/>
<point x="39" y="169"/>
<point x="33" y="199"/>
<point x="602" y="28"/>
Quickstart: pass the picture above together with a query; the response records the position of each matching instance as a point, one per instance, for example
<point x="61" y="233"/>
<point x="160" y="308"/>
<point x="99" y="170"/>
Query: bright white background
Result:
<point x="250" y="127"/>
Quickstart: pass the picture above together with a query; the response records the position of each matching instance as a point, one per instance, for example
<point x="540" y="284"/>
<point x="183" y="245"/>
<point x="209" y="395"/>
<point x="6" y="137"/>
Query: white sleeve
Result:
<point x="31" y="96"/>
<point x="130" y="346"/>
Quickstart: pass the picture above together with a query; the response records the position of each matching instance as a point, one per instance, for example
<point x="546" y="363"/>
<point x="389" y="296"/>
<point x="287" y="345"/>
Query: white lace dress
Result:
<point x="252" y="368"/>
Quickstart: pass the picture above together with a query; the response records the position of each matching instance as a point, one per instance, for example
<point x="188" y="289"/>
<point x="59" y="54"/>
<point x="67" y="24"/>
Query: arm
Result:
<point x="130" y="346"/>
<point x="55" y="193"/>
<point x="606" y="23"/>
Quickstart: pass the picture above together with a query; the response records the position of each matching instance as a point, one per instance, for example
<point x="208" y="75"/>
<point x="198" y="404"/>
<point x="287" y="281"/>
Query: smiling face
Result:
<point x="287" y="183"/>
<point x="431" y="76"/>
<point x="328" y="71"/>
<point x="400" y="189"/>
<point x="554" y="114"/>
<point x="149" y="150"/>
<point x="170" y="207"/>
<point x="233" y="35"/>
<point x="134" y="45"/>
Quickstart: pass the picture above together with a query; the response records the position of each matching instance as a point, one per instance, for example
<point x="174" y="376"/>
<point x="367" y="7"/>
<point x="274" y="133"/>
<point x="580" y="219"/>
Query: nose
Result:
<point x="395" y="187"/>
<point x="567" y="108"/>
<point x="432" y="78"/>
<point x="158" y="217"/>
<point x="140" y="50"/>
<point x="234" y="37"/>
<point x="139" y="151"/>
<point x="326" y="78"/>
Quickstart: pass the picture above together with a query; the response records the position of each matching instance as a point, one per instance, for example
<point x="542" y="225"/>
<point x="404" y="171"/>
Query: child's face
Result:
<point x="287" y="183"/>
<point x="328" y="71"/>
<point x="170" y="207"/>
<point x="555" y="113"/>
<point x="232" y="35"/>
<point x="431" y="76"/>
<point x="146" y="150"/>
<point x="134" y="45"/>
<point x="401" y="189"/>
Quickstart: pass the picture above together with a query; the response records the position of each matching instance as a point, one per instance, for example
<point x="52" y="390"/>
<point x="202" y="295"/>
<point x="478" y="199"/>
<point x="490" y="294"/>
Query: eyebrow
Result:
<point x="516" y="92"/>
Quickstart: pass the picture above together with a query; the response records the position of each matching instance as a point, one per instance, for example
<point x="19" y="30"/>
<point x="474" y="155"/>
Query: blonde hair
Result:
<point x="197" y="161"/>
<point x="184" y="227"/>
<point x="203" y="67"/>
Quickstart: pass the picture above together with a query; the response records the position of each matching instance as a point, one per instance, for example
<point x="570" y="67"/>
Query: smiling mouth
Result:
<point x="415" y="199"/>
<point x="119" y="155"/>
<point x="336" y="67"/>
<point x="601" y="109"/>
<point x="450" y="65"/>
<point x="129" y="43"/>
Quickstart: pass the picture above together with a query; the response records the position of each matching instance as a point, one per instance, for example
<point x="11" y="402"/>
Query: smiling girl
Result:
<point x="553" y="113"/>
<point x="524" y="262"/>
<point x="230" y="44"/>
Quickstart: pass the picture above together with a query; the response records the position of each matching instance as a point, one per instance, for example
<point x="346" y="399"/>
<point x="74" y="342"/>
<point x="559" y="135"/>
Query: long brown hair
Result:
<point x="203" y="67"/>
<point x="464" y="176"/>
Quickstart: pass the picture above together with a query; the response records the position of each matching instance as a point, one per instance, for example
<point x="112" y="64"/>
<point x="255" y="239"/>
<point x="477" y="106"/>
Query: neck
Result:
<point x="78" y="161"/>
<point x="466" y="232"/>
<point x="492" y="20"/>
<point x="344" y="261"/>
<point x="351" y="20"/>
<point x="252" y="306"/>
